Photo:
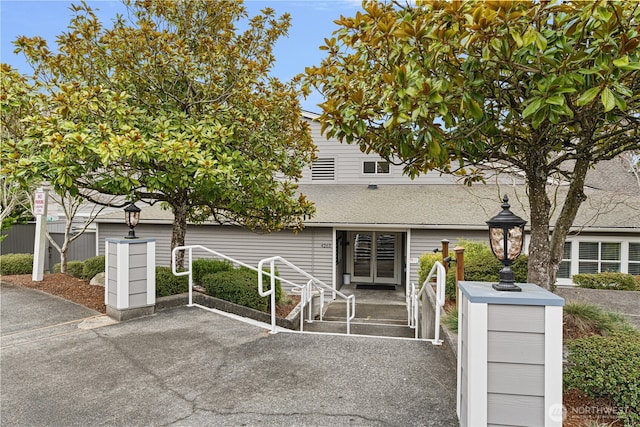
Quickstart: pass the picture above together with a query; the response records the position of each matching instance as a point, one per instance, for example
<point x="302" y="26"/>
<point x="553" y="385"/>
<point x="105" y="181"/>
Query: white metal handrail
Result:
<point x="189" y="270"/>
<point x="306" y="292"/>
<point x="416" y="294"/>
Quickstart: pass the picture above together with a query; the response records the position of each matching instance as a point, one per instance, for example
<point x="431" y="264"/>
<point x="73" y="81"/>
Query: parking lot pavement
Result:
<point x="188" y="366"/>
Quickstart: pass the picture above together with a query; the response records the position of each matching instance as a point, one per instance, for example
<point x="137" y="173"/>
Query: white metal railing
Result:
<point x="413" y="301"/>
<point x="306" y="292"/>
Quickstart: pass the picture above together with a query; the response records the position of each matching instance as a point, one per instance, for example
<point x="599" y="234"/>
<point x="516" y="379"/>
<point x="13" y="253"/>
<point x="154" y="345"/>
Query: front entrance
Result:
<point x="375" y="257"/>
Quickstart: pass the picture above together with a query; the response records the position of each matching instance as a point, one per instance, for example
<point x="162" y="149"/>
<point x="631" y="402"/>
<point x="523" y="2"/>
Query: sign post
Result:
<point x="40" y="212"/>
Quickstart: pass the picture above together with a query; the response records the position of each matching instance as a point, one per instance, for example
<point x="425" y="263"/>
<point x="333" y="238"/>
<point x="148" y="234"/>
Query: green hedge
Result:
<point x="203" y="267"/>
<point x="16" y="264"/>
<point x="612" y="281"/>
<point x="169" y="284"/>
<point x="239" y="286"/>
<point x="93" y="266"/>
<point x="608" y="366"/>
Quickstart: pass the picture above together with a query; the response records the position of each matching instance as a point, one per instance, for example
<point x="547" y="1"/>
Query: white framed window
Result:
<point x="375" y="167"/>
<point x="596" y="255"/>
<point x="634" y="258"/>
<point x="599" y="257"/>
<point x="564" y="270"/>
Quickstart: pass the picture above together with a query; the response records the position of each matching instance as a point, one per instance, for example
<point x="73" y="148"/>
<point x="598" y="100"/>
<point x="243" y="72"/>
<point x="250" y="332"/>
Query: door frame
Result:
<point x="373" y="278"/>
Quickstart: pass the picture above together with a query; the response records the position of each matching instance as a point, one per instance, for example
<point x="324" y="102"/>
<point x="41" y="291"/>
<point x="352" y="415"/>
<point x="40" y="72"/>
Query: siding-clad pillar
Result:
<point x="510" y="356"/>
<point x="130" y="281"/>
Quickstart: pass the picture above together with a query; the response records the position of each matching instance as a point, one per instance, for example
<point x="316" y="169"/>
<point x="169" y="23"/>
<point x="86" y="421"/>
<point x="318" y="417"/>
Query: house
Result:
<point x="373" y="223"/>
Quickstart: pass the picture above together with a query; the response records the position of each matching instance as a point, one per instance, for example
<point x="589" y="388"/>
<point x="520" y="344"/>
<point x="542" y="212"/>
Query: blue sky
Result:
<point x="312" y="21"/>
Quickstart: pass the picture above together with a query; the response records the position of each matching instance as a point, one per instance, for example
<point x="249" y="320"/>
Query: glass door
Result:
<point x="375" y="257"/>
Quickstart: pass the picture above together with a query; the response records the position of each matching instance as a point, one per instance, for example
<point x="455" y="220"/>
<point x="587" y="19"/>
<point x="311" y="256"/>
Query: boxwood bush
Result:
<point x="239" y="286"/>
<point x="203" y="267"/>
<point x="169" y="284"/>
<point x="93" y="266"/>
<point x="612" y="281"/>
<point x="75" y="269"/>
<point x="16" y="264"/>
<point x="608" y="366"/>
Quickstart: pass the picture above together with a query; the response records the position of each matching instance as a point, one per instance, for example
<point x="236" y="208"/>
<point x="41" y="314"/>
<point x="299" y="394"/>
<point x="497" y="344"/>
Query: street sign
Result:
<point x="39" y="202"/>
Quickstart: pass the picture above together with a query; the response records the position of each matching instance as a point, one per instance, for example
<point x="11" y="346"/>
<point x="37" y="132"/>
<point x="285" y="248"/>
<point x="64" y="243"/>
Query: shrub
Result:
<point x="203" y="267"/>
<point x="75" y="269"/>
<point x="16" y="264"/>
<point x="169" y="284"/>
<point x="240" y="286"/>
<point x="236" y="286"/>
<point x="613" y="281"/>
<point x="582" y="319"/>
<point x="607" y="367"/>
<point x="450" y="320"/>
<point x="93" y="266"/>
<point x="426" y="262"/>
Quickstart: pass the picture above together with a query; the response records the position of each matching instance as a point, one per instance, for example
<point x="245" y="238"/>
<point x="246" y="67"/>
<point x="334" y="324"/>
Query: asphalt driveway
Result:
<point x="62" y="364"/>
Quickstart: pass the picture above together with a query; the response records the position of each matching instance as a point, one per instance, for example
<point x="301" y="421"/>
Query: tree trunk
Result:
<point x="539" y="247"/>
<point x="179" y="230"/>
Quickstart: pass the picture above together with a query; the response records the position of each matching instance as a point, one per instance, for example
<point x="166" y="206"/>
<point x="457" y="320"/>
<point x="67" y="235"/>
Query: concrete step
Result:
<point x="360" y="328"/>
<point x="381" y="312"/>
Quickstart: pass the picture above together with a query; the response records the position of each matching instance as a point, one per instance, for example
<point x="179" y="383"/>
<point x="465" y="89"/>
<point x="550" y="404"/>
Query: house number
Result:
<point x="325" y="245"/>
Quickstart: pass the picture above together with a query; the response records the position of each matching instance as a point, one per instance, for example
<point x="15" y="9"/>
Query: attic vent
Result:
<point x="323" y="169"/>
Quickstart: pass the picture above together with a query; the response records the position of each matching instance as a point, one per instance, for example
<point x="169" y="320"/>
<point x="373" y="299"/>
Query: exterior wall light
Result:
<point x="131" y="218"/>
<point x="506" y="237"/>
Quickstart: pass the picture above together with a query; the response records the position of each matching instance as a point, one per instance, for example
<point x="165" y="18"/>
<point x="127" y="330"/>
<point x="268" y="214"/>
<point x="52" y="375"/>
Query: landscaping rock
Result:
<point x="98" y="280"/>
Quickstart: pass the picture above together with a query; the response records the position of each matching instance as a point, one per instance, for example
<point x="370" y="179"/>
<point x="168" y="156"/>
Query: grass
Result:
<point x="582" y="320"/>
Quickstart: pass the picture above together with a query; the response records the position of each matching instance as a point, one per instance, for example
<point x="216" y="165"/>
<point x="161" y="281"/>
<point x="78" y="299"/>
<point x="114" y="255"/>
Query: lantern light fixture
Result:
<point x="131" y="218"/>
<point x="506" y="238"/>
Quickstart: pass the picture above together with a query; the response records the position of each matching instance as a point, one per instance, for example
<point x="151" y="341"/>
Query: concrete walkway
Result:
<point x="61" y="366"/>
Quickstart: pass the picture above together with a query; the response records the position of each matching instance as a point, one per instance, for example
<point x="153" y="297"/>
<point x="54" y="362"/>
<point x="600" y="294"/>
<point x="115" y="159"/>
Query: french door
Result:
<point x="374" y="257"/>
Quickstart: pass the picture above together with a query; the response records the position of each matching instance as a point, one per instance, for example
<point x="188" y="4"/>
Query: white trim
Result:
<point x="106" y="271"/>
<point x="476" y="358"/>
<point x="552" y="365"/>
<point x="122" y="284"/>
<point x="151" y="273"/>
<point x="334" y="261"/>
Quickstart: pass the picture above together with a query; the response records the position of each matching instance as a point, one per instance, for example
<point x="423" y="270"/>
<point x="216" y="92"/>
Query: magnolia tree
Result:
<point x="174" y="106"/>
<point x="547" y="88"/>
<point x="17" y="100"/>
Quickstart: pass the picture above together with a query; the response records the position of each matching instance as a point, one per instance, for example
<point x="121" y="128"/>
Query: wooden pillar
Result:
<point x="445" y="253"/>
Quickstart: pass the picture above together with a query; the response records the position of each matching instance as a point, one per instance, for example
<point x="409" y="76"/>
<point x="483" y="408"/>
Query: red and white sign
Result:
<point x="39" y="203"/>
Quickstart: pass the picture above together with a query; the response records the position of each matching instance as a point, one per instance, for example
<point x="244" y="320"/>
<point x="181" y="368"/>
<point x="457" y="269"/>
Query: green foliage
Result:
<point x="608" y="366"/>
<point x="448" y="85"/>
<point x="203" y="267"/>
<point x="93" y="266"/>
<point x="582" y="319"/>
<point x="75" y="269"/>
<point x="169" y="284"/>
<point x="450" y="320"/>
<point x="16" y="264"/>
<point x="426" y="262"/>
<point x="238" y="286"/>
<point x="611" y="281"/>
<point x="207" y="130"/>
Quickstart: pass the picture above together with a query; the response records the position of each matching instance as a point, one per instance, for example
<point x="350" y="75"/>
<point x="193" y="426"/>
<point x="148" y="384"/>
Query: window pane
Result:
<point x="566" y="252"/>
<point x="383" y="167"/>
<point x="634" y="251"/>
<point x="587" y="267"/>
<point x="609" y="267"/>
<point x="634" y="268"/>
<point x="564" y="270"/>
<point x="588" y="250"/>
<point x="369" y="167"/>
<point x="610" y="251"/>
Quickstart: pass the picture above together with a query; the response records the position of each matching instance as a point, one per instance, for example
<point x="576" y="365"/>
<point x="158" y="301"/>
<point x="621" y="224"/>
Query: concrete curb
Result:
<point x="292" y="321"/>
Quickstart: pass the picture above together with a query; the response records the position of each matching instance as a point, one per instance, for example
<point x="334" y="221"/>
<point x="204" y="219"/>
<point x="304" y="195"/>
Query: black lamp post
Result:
<point x="131" y="218"/>
<point x="506" y="237"/>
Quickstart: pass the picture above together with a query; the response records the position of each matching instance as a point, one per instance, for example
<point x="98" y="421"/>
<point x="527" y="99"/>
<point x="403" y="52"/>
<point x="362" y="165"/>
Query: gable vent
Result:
<point x="323" y="169"/>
